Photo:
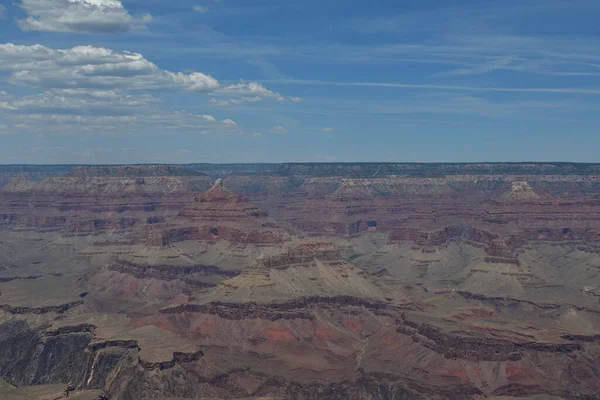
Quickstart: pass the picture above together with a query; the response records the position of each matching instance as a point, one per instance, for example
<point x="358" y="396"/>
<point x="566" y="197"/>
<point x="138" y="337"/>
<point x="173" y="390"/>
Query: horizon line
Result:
<point x="310" y="162"/>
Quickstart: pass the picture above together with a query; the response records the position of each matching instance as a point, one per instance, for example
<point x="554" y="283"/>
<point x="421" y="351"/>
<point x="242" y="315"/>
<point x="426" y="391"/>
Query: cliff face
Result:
<point x="31" y="172"/>
<point x="303" y="281"/>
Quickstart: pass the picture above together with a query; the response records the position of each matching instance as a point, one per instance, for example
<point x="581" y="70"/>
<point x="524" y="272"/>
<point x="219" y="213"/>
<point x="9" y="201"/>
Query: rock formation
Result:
<point x="301" y="281"/>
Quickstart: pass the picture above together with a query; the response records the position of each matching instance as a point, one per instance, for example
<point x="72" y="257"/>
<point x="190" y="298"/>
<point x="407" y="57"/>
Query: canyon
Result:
<point x="356" y="281"/>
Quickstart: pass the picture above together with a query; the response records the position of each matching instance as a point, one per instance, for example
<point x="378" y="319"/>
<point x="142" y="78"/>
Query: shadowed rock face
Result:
<point x="303" y="281"/>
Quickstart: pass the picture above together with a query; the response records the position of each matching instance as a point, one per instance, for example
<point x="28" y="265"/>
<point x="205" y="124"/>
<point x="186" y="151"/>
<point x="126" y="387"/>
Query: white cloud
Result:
<point x="95" y="94"/>
<point x="78" y="111"/>
<point x="79" y="16"/>
<point x="230" y="102"/>
<point x="201" y="9"/>
<point x="327" y="129"/>
<point x="77" y="103"/>
<point x="257" y="134"/>
<point x="279" y="129"/>
<point x="93" y="89"/>
<point x="484" y="68"/>
<point x="94" y="67"/>
<point x="220" y="103"/>
<point x="253" y="99"/>
<point x="295" y="99"/>
<point x="246" y="89"/>
<point x="244" y="92"/>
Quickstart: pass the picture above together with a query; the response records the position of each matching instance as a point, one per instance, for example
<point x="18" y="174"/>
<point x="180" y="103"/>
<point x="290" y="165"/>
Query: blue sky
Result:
<point x="109" y="81"/>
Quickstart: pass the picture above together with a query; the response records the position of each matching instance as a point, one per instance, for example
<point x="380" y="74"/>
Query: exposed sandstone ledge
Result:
<point x="19" y="278"/>
<point x="524" y="391"/>
<point x="65" y="330"/>
<point x="458" y="346"/>
<point x="506" y="301"/>
<point x="123" y="344"/>
<point x="171" y="273"/>
<point x="516" y="390"/>
<point x="206" y="233"/>
<point x="133" y="171"/>
<point x="304" y="253"/>
<point x="238" y="311"/>
<point x="435" y="238"/>
<point x="59" y="309"/>
<point x="178" y="358"/>
<point x="95" y="347"/>
<point x="501" y="260"/>
<point x="95" y="370"/>
<point x="69" y="225"/>
<point x="99" y="224"/>
<point x="497" y="249"/>
<point x="582" y="338"/>
<point x="373" y="385"/>
<point x="196" y="284"/>
<point x="293" y="309"/>
<point x="54" y="223"/>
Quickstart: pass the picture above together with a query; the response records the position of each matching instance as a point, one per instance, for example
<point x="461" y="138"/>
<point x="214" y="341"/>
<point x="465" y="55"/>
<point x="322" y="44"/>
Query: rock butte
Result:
<point x="301" y="281"/>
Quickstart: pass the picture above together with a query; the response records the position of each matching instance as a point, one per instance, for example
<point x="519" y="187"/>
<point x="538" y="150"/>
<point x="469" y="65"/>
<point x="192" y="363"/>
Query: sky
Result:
<point x="186" y="81"/>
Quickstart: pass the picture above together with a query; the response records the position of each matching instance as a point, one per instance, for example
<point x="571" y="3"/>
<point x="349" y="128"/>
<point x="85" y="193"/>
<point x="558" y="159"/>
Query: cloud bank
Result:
<point x="79" y="16"/>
